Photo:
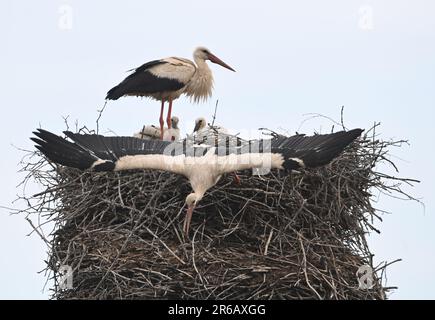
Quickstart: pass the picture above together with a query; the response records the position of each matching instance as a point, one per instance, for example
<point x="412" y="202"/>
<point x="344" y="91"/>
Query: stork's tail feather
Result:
<point x="321" y="150"/>
<point x="61" y="151"/>
<point x="115" y="93"/>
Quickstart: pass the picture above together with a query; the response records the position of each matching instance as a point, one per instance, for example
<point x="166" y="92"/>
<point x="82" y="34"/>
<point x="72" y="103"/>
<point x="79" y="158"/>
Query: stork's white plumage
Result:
<point x="201" y="126"/>
<point x="205" y="134"/>
<point x="152" y="132"/>
<point x="203" y="166"/>
<point x="167" y="79"/>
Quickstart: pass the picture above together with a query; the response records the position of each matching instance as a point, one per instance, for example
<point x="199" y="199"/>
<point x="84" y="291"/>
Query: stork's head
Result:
<point x="202" y="53"/>
<point x="193" y="199"/>
<point x="191" y="202"/>
<point x="174" y="122"/>
<point x="200" y="124"/>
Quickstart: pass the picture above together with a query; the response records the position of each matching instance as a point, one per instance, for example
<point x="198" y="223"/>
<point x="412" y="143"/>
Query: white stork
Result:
<point x="208" y="134"/>
<point x="203" y="166"/>
<point x="167" y="79"/>
<point x="152" y="132"/>
<point x="201" y="126"/>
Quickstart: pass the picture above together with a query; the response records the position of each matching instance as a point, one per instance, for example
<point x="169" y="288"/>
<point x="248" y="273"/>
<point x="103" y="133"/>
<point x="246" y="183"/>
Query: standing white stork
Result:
<point x="203" y="166"/>
<point x="167" y="79"/>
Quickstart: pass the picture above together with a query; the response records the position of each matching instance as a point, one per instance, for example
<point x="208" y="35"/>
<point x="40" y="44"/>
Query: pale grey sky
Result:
<point x="376" y="58"/>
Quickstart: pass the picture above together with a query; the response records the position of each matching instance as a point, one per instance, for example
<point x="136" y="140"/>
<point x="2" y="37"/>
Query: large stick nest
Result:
<point x="298" y="236"/>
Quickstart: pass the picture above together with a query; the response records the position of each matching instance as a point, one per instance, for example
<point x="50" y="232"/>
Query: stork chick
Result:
<point x="201" y="126"/>
<point x="211" y="133"/>
<point x="152" y="132"/>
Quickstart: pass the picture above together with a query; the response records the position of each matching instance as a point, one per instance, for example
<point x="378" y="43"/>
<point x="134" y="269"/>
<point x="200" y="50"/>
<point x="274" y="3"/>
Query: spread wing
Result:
<point x="124" y="153"/>
<point x="290" y="153"/>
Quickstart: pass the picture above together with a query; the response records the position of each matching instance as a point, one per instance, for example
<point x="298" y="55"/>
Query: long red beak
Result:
<point x="187" y="220"/>
<point x="215" y="59"/>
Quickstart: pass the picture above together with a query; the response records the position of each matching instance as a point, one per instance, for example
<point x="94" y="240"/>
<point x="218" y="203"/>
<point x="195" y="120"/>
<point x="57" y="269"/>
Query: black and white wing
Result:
<point x="312" y="151"/>
<point x="165" y="75"/>
<point x="109" y="153"/>
<point x="227" y="155"/>
<point x="290" y="153"/>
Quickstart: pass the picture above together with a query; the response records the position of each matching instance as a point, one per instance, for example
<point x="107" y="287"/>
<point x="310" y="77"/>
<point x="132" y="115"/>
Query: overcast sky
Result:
<point x="59" y="58"/>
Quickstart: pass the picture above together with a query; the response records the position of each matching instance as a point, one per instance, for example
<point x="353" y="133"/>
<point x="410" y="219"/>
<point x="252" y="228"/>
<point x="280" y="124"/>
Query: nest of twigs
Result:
<point x="298" y="236"/>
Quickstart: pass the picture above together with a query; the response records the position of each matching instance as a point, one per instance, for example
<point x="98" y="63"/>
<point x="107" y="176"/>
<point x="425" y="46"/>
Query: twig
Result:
<point x="100" y="113"/>
<point x="214" y="114"/>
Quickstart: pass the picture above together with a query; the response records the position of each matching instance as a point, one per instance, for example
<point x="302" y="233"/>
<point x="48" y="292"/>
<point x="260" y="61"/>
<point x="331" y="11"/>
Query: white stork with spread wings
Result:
<point x="202" y="166"/>
<point x="167" y="79"/>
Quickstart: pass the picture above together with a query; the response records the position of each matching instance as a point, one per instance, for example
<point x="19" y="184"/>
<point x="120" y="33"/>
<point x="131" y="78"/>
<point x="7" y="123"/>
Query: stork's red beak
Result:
<point x="215" y="59"/>
<point x="188" y="219"/>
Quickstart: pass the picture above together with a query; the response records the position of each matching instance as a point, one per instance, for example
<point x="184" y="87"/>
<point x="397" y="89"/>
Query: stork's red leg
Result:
<point x="168" y="119"/>
<point x="162" y="122"/>
<point x="236" y="178"/>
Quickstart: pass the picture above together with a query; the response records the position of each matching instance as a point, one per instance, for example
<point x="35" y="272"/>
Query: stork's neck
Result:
<point x="200" y="184"/>
<point x="202" y="177"/>
<point x="201" y="85"/>
<point x="199" y="195"/>
<point x="201" y="64"/>
<point x="202" y="70"/>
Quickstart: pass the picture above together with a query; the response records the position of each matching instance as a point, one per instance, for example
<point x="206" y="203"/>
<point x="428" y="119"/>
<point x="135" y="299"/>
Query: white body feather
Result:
<point x="203" y="172"/>
<point x="153" y="132"/>
<point x="197" y="79"/>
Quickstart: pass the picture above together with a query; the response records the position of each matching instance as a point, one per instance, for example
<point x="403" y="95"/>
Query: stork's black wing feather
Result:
<point x="62" y="151"/>
<point x="90" y="150"/>
<point x="148" y="65"/>
<point x="314" y="151"/>
<point x="112" y="148"/>
<point x="143" y="82"/>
